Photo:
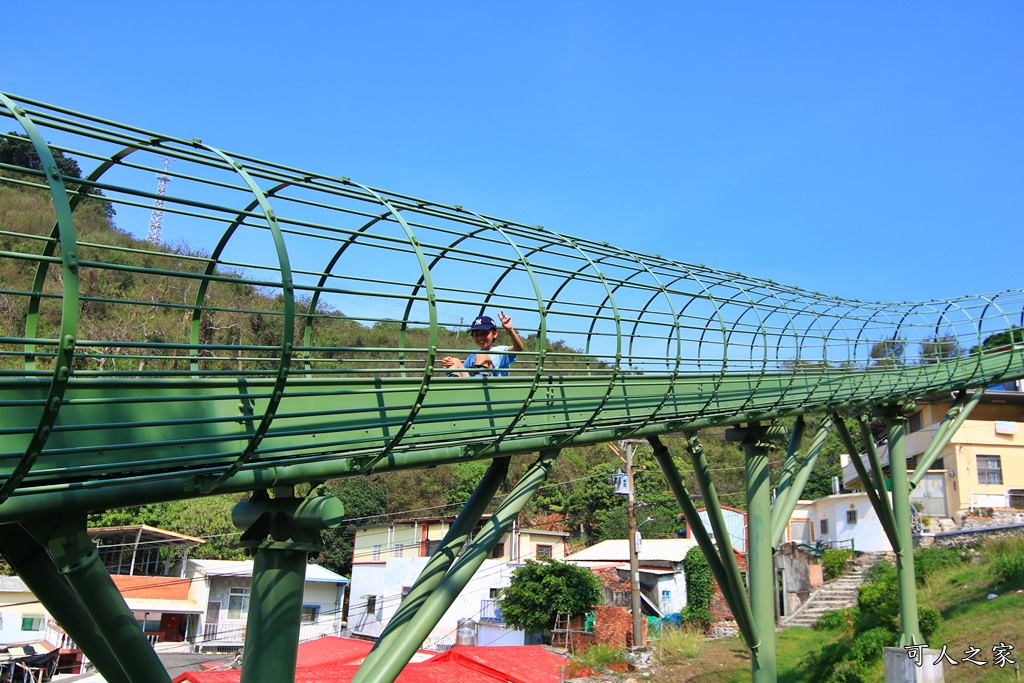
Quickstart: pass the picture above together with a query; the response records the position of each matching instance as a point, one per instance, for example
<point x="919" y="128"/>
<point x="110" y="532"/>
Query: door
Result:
<point x="931" y="492"/>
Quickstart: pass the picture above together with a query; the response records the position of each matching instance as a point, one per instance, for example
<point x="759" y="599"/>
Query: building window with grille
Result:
<point x="376" y="553"/>
<point x="851" y="516"/>
<point x="543" y="551"/>
<point x="371" y="604"/>
<point x="990" y="469"/>
<point x="398" y="550"/>
<point x="310" y="613"/>
<point x="238" y="603"/>
<point x="823" y="525"/>
<point x="498" y="551"/>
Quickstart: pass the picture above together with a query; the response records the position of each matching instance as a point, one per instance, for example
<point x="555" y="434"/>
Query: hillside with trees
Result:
<point x="128" y="301"/>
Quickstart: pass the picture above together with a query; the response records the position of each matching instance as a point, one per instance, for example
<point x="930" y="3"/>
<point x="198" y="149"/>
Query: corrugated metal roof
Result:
<point x="314" y="572"/>
<point x="653" y="550"/>
<point x="518" y="664"/>
<point x="461" y="664"/>
<point x="332" y="651"/>
<point x="12" y="584"/>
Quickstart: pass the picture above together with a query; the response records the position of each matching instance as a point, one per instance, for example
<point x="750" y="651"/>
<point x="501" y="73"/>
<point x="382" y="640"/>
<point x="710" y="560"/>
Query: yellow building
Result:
<point x="982" y="467"/>
<point x="419" y="537"/>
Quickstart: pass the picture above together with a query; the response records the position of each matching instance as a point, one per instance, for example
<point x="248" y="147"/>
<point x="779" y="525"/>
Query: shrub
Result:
<point x="699" y="587"/>
<point x="833" y="620"/>
<point x="929" y="560"/>
<point x="833" y="562"/>
<point x="600" y="657"/>
<point x="685" y="640"/>
<point x="928" y="620"/>
<point x="1008" y="559"/>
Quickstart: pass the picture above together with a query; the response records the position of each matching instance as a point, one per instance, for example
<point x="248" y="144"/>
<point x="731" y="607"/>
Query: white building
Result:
<point x="662" y="579"/>
<point x="23" y="619"/>
<point x="387" y="559"/>
<point x="223" y="588"/>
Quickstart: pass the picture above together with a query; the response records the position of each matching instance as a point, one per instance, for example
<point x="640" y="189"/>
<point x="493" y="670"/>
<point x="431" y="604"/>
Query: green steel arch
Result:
<point x="643" y="344"/>
<point x="297" y="335"/>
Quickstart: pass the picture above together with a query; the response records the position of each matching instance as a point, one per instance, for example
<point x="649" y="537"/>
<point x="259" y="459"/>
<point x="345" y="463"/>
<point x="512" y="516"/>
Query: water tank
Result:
<point x="466" y="633"/>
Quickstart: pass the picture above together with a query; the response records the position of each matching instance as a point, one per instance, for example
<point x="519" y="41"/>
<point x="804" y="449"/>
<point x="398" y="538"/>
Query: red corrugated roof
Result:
<point x="424" y="672"/>
<point x="332" y="651"/>
<point x="518" y="664"/>
<point x="461" y="664"/>
<point x="335" y="659"/>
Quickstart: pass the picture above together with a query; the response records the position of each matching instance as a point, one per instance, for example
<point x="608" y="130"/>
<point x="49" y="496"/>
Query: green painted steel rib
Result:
<point x="133" y="372"/>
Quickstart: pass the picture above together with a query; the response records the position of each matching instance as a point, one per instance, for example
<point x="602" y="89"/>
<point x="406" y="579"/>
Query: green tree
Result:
<point x="939" y="348"/>
<point x="17" y="150"/>
<point x="888" y="351"/>
<point x="366" y="501"/>
<point x="208" y="518"/>
<point x="538" y="590"/>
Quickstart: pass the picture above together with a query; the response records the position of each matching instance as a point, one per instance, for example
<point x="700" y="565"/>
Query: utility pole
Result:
<point x="634" y="561"/>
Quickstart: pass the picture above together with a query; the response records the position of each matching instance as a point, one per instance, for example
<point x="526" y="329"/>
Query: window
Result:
<point x="851" y="516"/>
<point x="398" y="550"/>
<point x="914" y="423"/>
<point x="32" y="622"/>
<point x="498" y="551"/>
<point x="371" y="604"/>
<point x="376" y="553"/>
<point x="493" y="593"/>
<point x="310" y="614"/>
<point x="432" y="547"/>
<point x="990" y="469"/>
<point x="666" y="598"/>
<point x="1015" y="498"/>
<point x="543" y="551"/>
<point x="823" y="526"/>
<point x="238" y="603"/>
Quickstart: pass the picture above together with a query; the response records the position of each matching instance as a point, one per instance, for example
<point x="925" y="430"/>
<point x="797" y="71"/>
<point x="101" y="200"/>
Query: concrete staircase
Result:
<point x="838" y="593"/>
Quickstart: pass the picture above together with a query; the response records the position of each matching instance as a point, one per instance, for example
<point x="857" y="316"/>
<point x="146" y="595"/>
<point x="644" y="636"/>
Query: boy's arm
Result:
<point x="506" y="322"/>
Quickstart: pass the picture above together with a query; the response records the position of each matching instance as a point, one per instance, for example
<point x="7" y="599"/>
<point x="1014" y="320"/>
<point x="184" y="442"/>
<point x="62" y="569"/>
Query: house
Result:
<point x="662" y="580"/>
<point x="222" y="588"/>
<point x="23" y="619"/>
<point x="982" y="466"/>
<point x="387" y="559"/>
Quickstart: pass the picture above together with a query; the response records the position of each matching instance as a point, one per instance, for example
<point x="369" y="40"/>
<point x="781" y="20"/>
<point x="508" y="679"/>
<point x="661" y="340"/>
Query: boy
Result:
<point x="500" y="358"/>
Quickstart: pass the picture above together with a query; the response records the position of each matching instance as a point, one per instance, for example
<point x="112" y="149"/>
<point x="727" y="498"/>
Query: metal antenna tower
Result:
<point x="156" y="221"/>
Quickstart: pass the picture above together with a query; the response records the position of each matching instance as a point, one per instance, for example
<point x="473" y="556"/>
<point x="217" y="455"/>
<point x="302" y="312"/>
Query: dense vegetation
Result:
<point x="134" y="303"/>
<point x="967" y="599"/>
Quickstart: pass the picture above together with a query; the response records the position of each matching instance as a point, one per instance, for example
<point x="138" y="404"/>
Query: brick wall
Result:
<point x="613" y="626"/>
<point x="720" y="612"/>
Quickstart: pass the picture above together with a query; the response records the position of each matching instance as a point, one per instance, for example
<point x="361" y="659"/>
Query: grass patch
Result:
<point x="684" y="641"/>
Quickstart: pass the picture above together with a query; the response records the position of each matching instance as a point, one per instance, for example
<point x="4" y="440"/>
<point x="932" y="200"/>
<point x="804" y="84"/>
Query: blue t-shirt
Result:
<point x="501" y="358"/>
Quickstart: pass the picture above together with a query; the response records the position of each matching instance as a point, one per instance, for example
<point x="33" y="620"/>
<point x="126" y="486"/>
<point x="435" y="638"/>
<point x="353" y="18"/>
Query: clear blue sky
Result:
<point x="860" y="149"/>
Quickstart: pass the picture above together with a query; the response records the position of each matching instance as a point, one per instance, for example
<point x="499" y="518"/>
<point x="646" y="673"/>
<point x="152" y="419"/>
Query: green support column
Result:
<point x="910" y="633"/>
<point x="440" y="562"/>
<point x="401" y="651"/>
<point x="760" y="561"/>
<point x="279" y="576"/>
<point x="782" y="511"/>
<point x="737" y="600"/>
<point x="78" y="559"/>
<point x="51" y="588"/>
<point x="275" y="611"/>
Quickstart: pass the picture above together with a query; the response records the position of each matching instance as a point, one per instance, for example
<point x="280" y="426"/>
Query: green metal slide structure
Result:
<point x="227" y="373"/>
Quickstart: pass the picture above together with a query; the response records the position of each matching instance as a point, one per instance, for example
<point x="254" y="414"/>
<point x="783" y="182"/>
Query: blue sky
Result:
<point x="862" y="150"/>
